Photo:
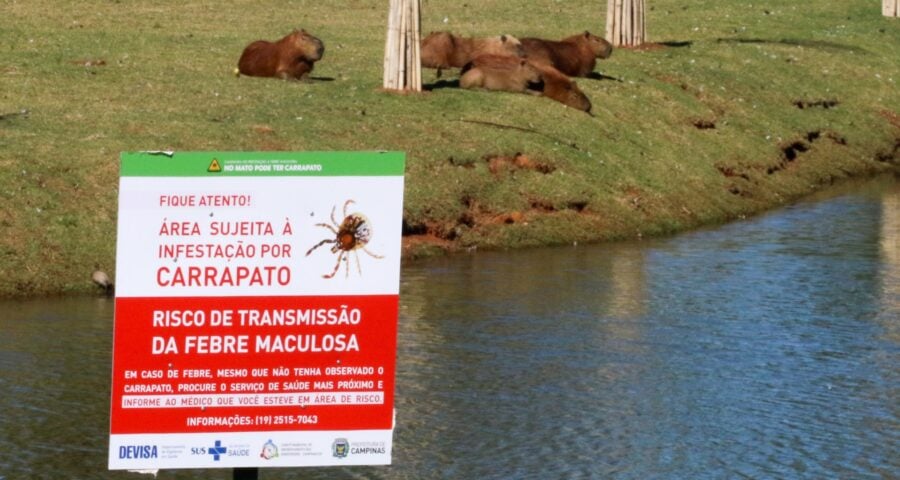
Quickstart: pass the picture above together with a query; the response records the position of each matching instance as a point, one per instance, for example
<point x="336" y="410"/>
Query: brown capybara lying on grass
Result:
<point x="292" y="57"/>
<point x="575" y="56"/>
<point x="515" y="74"/>
<point x="445" y="50"/>
<point x="500" y="72"/>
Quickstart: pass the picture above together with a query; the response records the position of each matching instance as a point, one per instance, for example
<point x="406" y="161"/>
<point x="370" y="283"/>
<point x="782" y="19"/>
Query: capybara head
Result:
<point x="572" y="96"/>
<point x="529" y="73"/>
<point x="598" y="45"/>
<point x="563" y="89"/>
<point x="310" y="47"/>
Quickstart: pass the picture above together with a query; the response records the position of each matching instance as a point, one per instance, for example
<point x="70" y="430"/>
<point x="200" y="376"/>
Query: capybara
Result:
<point x="575" y="56"/>
<point x="499" y="72"/>
<point x="445" y="50"/>
<point x="557" y="86"/>
<point x="292" y="57"/>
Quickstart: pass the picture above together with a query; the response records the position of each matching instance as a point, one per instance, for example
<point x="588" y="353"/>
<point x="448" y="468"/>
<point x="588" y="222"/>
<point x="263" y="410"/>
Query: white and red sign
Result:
<point x="256" y="309"/>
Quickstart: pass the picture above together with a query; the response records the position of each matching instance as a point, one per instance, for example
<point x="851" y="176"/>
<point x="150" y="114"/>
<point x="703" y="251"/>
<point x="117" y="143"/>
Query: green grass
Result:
<point x="639" y="166"/>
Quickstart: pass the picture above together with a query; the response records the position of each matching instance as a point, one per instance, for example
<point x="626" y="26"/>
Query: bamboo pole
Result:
<point x="385" y="68"/>
<point x="395" y="60"/>
<point x="627" y="17"/>
<point x="404" y="45"/>
<point x="626" y="22"/>
<point x="617" y="23"/>
<point x="890" y="8"/>
<point x="633" y="20"/>
<point x="610" y="12"/>
<point x="390" y="47"/>
<point x="416" y="63"/>
<point x="640" y="33"/>
<point x="407" y="82"/>
<point x="402" y="63"/>
<point x="398" y="47"/>
<point x="643" y="21"/>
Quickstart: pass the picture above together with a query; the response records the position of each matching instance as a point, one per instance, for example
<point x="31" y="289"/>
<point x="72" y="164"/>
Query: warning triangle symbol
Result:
<point x="214" y="166"/>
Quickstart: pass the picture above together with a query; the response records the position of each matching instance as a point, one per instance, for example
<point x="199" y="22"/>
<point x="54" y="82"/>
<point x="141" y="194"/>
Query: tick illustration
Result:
<point x="352" y="234"/>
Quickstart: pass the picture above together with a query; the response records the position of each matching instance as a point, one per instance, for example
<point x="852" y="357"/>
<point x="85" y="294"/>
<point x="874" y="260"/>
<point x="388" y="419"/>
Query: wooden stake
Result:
<point x="643" y="20"/>
<point x="890" y="8"/>
<point x="416" y="63"/>
<point x="639" y="18"/>
<point x="402" y="57"/>
<point x="387" y="53"/>
<point x="617" y="26"/>
<point x="389" y="47"/>
<point x="626" y="22"/>
<point x="398" y="46"/>
<point x="610" y="13"/>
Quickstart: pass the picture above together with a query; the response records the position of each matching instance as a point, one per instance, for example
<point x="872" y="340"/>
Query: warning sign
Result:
<point x="256" y="309"/>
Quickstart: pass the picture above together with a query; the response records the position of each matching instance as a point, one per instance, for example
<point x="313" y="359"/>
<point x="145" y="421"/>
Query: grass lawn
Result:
<point x="733" y="108"/>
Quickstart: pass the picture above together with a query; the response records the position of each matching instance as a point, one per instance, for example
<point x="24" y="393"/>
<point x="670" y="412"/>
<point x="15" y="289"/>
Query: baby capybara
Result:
<point x="292" y="57"/>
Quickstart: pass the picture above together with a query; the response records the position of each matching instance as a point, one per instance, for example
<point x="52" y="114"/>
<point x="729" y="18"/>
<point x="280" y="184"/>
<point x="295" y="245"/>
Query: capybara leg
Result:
<point x="299" y="70"/>
<point x="472" y="79"/>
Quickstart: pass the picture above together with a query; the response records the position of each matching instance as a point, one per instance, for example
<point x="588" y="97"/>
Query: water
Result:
<point x="767" y="348"/>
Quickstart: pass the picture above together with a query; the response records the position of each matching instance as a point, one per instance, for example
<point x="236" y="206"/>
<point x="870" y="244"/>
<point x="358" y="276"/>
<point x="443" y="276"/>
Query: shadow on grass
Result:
<point x="600" y="76"/>
<point x="677" y="44"/>
<point x="322" y="79"/>
<point x="11" y="115"/>
<point x="653" y="46"/>
<point x="795" y="43"/>
<point x="440" y="84"/>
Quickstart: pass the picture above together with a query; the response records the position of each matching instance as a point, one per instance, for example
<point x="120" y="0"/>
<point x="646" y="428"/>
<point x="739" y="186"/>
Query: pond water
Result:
<point x="766" y="348"/>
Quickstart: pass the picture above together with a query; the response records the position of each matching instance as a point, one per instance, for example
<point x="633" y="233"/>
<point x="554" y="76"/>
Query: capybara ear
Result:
<point x="503" y="38"/>
<point x="587" y="34"/>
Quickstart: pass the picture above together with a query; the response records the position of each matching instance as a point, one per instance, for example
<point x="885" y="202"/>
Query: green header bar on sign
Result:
<point x="261" y="164"/>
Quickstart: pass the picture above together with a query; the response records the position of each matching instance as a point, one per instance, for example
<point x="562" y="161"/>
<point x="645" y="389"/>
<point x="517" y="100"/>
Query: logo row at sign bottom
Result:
<point x="276" y="449"/>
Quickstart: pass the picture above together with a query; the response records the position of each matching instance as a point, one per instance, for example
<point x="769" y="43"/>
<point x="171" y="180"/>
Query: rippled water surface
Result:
<point x="767" y="348"/>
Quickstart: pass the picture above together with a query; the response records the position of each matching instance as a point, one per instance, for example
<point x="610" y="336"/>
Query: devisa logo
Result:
<point x="138" y="451"/>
